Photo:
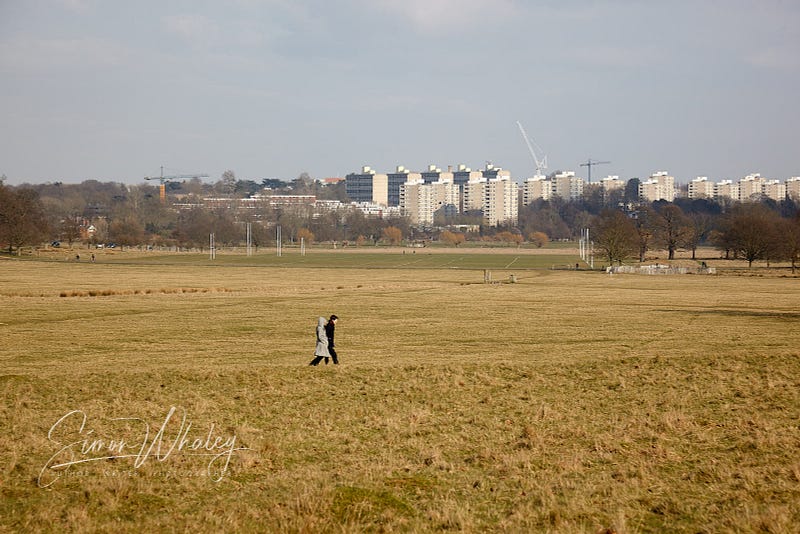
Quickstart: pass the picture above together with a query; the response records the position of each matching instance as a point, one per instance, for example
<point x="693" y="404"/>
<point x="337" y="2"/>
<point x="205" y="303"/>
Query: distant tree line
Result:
<point x="763" y="231"/>
<point x="621" y="225"/>
<point x="133" y="215"/>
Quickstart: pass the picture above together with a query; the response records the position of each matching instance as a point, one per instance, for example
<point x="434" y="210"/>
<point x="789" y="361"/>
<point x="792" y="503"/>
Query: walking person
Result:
<point x="321" y="350"/>
<point x="330" y="327"/>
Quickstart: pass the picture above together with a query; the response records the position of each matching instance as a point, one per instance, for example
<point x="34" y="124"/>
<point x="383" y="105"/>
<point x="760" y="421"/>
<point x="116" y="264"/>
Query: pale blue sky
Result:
<point x="112" y="90"/>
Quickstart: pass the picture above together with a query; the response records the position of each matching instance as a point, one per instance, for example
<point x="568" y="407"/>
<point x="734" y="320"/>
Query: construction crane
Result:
<point x="162" y="188"/>
<point x="589" y="163"/>
<point x="541" y="164"/>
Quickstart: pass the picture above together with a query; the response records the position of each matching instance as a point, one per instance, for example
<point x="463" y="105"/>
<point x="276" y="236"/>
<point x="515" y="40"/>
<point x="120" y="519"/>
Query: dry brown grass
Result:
<point x="568" y="402"/>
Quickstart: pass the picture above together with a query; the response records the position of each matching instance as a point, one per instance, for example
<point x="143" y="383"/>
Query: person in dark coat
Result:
<point x="321" y="351"/>
<point x="330" y="327"/>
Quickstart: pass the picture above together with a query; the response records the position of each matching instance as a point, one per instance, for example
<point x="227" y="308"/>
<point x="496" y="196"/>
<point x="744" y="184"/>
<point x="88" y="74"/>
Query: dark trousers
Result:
<point x="318" y="359"/>
<point x="333" y="355"/>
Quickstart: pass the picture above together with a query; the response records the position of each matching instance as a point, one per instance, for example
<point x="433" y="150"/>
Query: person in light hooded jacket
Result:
<point x="322" y="344"/>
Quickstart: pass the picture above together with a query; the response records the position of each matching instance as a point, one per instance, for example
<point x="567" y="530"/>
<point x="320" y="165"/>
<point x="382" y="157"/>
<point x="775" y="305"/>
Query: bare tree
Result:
<point x="22" y="218"/>
<point x="70" y="227"/>
<point x="751" y="232"/>
<point x="127" y="231"/>
<point x="644" y="223"/>
<point x="701" y="225"/>
<point x="193" y="227"/>
<point x="672" y="229"/>
<point x="615" y="235"/>
<point x="789" y="245"/>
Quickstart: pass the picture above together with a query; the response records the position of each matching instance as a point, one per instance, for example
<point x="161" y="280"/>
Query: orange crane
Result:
<point x="162" y="188"/>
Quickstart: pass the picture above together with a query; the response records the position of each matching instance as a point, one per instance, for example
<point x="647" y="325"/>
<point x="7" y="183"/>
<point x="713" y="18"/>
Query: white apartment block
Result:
<point x="474" y="193"/>
<point x="567" y="186"/>
<point x="751" y="187"/>
<point x="415" y="201"/>
<point x="609" y="183"/>
<point x="726" y="189"/>
<point x="700" y="187"/>
<point x="535" y="188"/>
<point x="420" y="200"/>
<point x="660" y="186"/>
<point x="774" y="189"/>
<point x="793" y="187"/>
<point x="501" y="200"/>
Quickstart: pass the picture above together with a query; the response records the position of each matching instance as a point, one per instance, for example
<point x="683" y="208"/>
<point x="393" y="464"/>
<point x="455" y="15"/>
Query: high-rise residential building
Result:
<point x="473" y="193"/>
<point x="420" y="195"/>
<point x="774" y="189"/>
<point x="501" y="200"/>
<point x="793" y="187"/>
<point x="461" y="177"/>
<point x="726" y="189"/>
<point x="751" y="187"/>
<point x="566" y="185"/>
<point x="660" y="186"/>
<point x="464" y="174"/>
<point x="415" y="201"/>
<point x="368" y="186"/>
<point x="395" y="180"/>
<point x="536" y="187"/>
<point x="434" y="174"/>
<point x="420" y="200"/>
<point x="495" y="194"/>
<point x="611" y="182"/>
<point x="701" y="187"/>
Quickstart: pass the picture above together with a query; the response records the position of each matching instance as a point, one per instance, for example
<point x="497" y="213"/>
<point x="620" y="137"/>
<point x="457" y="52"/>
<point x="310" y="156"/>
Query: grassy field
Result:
<point x="566" y="402"/>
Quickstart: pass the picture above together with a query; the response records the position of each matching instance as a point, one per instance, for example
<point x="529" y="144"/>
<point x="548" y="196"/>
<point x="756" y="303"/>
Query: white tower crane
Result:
<point x="541" y="164"/>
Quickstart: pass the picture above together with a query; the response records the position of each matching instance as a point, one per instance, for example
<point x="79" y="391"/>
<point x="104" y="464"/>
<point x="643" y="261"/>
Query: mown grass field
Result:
<point x="565" y="402"/>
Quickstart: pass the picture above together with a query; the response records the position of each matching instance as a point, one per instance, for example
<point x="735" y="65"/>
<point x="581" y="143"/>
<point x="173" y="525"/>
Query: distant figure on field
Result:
<point x="330" y="327"/>
<point x="322" y="344"/>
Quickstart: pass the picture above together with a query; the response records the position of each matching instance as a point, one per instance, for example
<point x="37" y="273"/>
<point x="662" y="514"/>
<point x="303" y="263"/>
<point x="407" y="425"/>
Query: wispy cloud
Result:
<point x="196" y="30"/>
<point x="443" y="15"/>
<point x="31" y="55"/>
<point x="774" y="57"/>
<point x="78" y="6"/>
<point x="613" y="56"/>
